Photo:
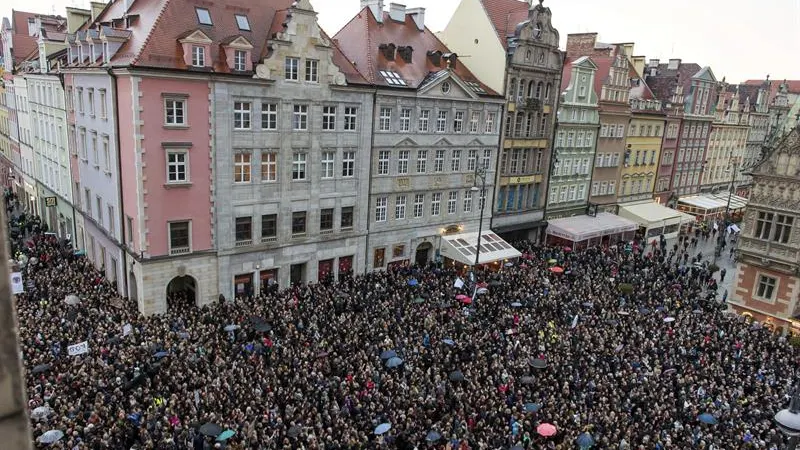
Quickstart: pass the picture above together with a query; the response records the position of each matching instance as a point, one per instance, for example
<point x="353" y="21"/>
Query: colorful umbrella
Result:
<point x="383" y="428"/>
<point x="546" y="429"/>
<point x="462" y="297"/>
<point x="225" y="435"/>
<point x="557" y="269"/>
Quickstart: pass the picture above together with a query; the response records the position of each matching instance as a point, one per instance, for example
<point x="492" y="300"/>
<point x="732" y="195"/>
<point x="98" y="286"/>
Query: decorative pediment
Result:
<point x="475" y="143"/>
<point x="407" y="142"/>
<point x="239" y="43"/>
<point x="196" y="37"/>
<point x="445" y="83"/>
<point x="442" y="143"/>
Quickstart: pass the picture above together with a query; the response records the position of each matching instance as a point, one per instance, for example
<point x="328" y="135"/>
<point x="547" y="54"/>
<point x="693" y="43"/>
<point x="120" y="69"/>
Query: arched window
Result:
<point x="512" y="88"/>
<point x="547" y="91"/>
<point x="530" y="88"/>
<point x="521" y="90"/>
<point x="539" y="89"/>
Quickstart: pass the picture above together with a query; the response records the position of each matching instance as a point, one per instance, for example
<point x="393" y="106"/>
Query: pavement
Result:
<point x="724" y="261"/>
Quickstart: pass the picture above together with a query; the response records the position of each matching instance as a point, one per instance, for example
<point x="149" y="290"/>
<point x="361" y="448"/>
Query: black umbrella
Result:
<point x="114" y="340"/>
<point x="456" y="375"/>
<point x="294" y="431"/>
<point x="538" y="363"/>
<point x="211" y="429"/>
<point x="262" y="327"/>
<point x="41" y="368"/>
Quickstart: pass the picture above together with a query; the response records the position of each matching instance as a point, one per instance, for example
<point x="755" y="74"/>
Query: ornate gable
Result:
<point x="446" y="84"/>
<point x="535" y="41"/>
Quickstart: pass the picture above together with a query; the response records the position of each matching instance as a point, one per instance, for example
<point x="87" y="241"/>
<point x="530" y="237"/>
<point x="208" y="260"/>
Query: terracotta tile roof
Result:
<point x="748" y="93"/>
<point x="505" y="15"/>
<point x="360" y="39"/>
<point x="794" y="86"/>
<point x="23" y="43"/>
<point x="665" y="81"/>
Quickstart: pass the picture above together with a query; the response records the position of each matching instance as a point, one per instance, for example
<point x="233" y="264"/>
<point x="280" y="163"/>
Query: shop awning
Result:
<point x="651" y="214"/>
<point x="462" y="248"/>
<point x="737" y="202"/>
<point x="703" y="202"/>
<point x="581" y="228"/>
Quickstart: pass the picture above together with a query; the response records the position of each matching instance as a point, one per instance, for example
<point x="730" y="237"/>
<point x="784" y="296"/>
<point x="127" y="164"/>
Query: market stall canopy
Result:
<point x="737" y="201"/>
<point x="462" y="248"/>
<point x="704" y="202"/>
<point x="651" y="214"/>
<point x="581" y="228"/>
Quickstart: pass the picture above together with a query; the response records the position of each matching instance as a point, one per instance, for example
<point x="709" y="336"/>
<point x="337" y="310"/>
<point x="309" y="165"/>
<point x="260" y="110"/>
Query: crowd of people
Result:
<point x="394" y="360"/>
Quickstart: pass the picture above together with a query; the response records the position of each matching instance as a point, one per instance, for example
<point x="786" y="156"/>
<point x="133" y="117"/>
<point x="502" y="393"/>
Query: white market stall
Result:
<point x="656" y="219"/>
<point x="703" y="207"/>
<point x="462" y="249"/>
<point x="585" y="231"/>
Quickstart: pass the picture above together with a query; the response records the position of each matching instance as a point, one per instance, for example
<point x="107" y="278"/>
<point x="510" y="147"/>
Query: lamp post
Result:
<point x="788" y="420"/>
<point x="480" y="172"/>
<point x="721" y="239"/>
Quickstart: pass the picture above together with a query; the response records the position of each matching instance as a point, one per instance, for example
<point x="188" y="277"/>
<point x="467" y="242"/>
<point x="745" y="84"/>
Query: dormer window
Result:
<point x="106" y="55"/>
<point x="92" y="53"/>
<point x="240" y="60"/>
<point x="198" y="56"/>
<point x="203" y="16"/>
<point x="242" y="22"/>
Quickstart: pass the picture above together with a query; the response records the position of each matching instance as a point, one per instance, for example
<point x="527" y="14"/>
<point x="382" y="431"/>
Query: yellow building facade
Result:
<point x="642" y="153"/>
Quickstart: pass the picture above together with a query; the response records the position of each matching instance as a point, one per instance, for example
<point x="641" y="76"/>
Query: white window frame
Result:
<point x="198" y="56"/>
<point x="329" y="118"/>
<point x="474" y="120"/>
<point x="452" y="202"/>
<point x="242" y="167"/>
<point x="269" y="112"/>
<point x="239" y="60"/>
<point x="350" y="118"/>
<point x="383" y="162"/>
<point x="174" y="109"/>
<point x="760" y="279"/>
<point x="242" y="115"/>
<point x="455" y="160"/>
<point x="385" y="119"/>
<point x="472" y="160"/>
<point x="299" y="166"/>
<point x="312" y="71"/>
<point x="423" y="122"/>
<point x="441" y="121"/>
<point x="400" y="207"/>
<point x="436" y="204"/>
<point x="269" y="161"/>
<point x="328" y="165"/>
<point x="422" y="161"/>
<point x="419" y="205"/>
<point x="458" y="122"/>
<point x="438" y="161"/>
<point x="490" y="119"/>
<point x="291" y="68"/>
<point x="179" y="250"/>
<point x="184" y="154"/>
<point x="405" y="120"/>
<point x="300" y="117"/>
<point x="380" y="209"/>
<point x="468" y="201"/>
<point x="402" y="162"/>
<point x="348" y="164"/>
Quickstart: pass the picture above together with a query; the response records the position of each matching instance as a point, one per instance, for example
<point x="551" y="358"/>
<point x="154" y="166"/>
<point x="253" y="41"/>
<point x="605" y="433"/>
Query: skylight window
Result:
<point x="203" y="16"/>
<point x="393" y="78"/>
<point x="476" y="87"/>
<point x="242" y="22"/>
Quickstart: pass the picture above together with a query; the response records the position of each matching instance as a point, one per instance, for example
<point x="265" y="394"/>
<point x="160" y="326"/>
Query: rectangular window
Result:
<point x="91" y="102"/>
<point x="269" y="227"/>
<point x="300" y="118"/>
<point x="487" y="159"/>
<point x="405" y="119"/>
<point x="385" y="119"/>
<point x="328" y="164"/>
<point x="103" y="107"/>
<point x="455" y="161"/>
<point x="298" y="223"/>
<point x="402" y="162"/>
<point x="88" y="194"/>
<point x="106" y="155"/>
<point x="326" y="220"/>
<point x="383" y="162"/>
<point x="241" y="115"/>
<point x="241" y="167"/>
<point x="174" y="112"/>
<point x="474" y="120"/>
<point x="179" y="238"/>
<point x="198" y="56"/>
<point x="400" y="207"/>
<point x="244" y="231"/>
<point x="441" y="122"/>
<point x="291" y="69"/>
<point x="452" y="202"/>
<point x="436" y="203"/>
<point x="424" y="120"/>
<point x="468" y="201"/>
<point x="298" y="167"/>
<point x="766" y="287"/>
<point x="350" y="114"/>
<point x="379" y="257"/>
<point x="490" y="118"/>
<point x="347" y="218"/>
<point x="472" y="159"/>
<point x="312" y="70"/>
<point x="422" y="160"/>
<point x="612" y="187"/>
<point x="419" y="205"/>
<point x="595" y="188"/>
<point x="269" y="167"/>
<point x="242" y="22"/>
<point x="348" y="164"/>
<point x="269" y="116"/>
<point x="329" y="118"/>
<point x="438" y="161"/>
<point x="99" y="210"/>
<point x="95" y="156"/>
<point x="783" y="228"/>
<point x="240" y="60"/>
<point x="380" y="209"/>
<point x="763" y="225"/>
<point x="458" y="122"/>
<point x="177" y="167"/>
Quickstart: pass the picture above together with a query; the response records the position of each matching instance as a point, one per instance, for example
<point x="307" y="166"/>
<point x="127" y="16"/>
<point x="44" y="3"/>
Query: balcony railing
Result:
<point x="244" y="243"/>
<point x="180" y="250"/>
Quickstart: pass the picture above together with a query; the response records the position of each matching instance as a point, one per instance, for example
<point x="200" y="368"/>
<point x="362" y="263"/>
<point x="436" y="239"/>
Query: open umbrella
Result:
<point x="509" y="264"/>
<point x="51" y="436"/>
<point x="418" y="300"/>
<point x="462" y="297"/>
<point x="449" y="341"/>
<point x="456" y="376"/>
<point x="294" y="431"/>
<point x="161" y="354"/>
<point x="516" y="304"/>
<point x="669" y="319"/>
<point x="231" y="327"/>
<point x="538" y="363"/>
<point x="413" y="282"/>
<point x="466" y="300"/>
<point x="210" y="429"/>
<point x="72" y="300"/>
<point x="546" y="429"/>
<point x="225" y="435"/>
<point x="262" y="327"/>
<point x="623" y="313"/>
<point x="707" y="419"/>
<point x="644" y="311"/>
<point x="394" y="362"/>
<point x="482" y="291"/>
<point x="526" y="380"/>
<point x="532" y="407"/>
<point x="41" y="412"/>
<point x="433" y="436"/>
<point x="41" y="368"/>
<point x="557" y="269"/>
<point x="567" y="249"/>
<point x="551" y="261"/>
<point x="585" y="440"/>
<point x="383" y="428"/>
<point x="388" y="354"/>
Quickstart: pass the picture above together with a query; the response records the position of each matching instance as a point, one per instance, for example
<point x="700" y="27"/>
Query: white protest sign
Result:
<point x="127" y="329"/>
<point x="16" y="283"/>
<point x="459" y="283"/>
<point x="78" y="349"/>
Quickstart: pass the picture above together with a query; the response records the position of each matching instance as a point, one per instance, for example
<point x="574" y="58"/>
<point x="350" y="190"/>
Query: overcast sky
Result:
<point x="739" y="39"/>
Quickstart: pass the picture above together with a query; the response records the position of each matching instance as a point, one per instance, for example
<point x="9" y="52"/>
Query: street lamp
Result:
<point x="721" y="238"/>
<point x="480" y="172"/>
<point x="788" y="420"/>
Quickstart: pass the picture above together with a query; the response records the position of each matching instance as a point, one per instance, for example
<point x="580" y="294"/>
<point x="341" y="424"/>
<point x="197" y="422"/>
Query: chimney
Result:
<point x="674" y="64"/>
<point x="435" y="58"/>
<point x="76" y="17"/>
<point x="397" y="12"/>
<point x="418" y="14"/>
<point x="376" y="6"/>
<point x="97" y="8"/>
